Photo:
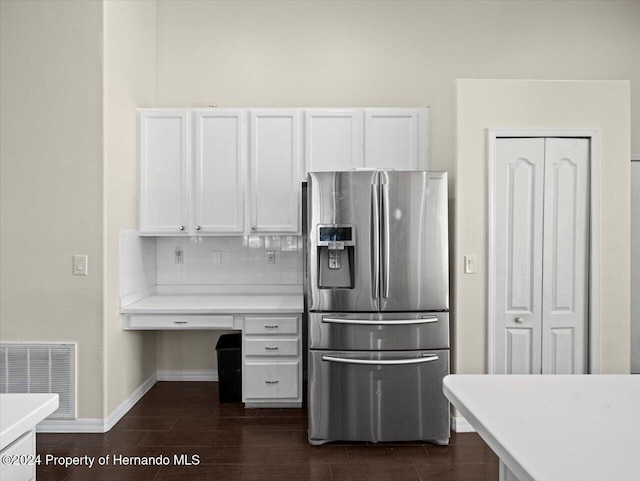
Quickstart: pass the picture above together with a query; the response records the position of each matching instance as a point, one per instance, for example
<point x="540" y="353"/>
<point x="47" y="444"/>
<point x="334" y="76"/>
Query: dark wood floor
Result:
<point x="237" y="444"/>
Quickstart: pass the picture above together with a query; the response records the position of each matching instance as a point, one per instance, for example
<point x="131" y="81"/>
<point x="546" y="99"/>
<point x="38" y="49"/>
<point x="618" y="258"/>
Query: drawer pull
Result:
<point x="272" y="382"/>
<point x="268" y="348"/>
<point x="272" y="326"/>
<point x="180" y="322"/>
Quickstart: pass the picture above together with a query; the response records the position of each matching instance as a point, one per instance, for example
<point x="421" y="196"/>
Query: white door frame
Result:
<point x="594" y="239"/>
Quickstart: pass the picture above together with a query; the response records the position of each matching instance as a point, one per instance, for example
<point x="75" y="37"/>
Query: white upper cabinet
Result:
<point x="239" y="171"/>
<point x="396" y="138"/>
<point x="380" y="138"/>
<point x="274" y="204"/>
<point x="219" y="162"/>
<point x="164" y="143"/>
<point x="333" y="139"/>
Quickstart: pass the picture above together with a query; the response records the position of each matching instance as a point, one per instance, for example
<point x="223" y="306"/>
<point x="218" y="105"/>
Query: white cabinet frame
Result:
<point x="315" y="120"/>
<point x="418" y="143"/>
<point x="268" y="148"/>
<point x="594" y="242"/>
<point x="148" y="187"/>
<point x="229" y="190"/>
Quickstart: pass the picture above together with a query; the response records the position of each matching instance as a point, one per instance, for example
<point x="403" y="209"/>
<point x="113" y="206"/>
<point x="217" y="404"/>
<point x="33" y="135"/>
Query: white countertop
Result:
<point x="555" y="428"/>
<point x="217" y="304"/>
<point x="20" y="413"/>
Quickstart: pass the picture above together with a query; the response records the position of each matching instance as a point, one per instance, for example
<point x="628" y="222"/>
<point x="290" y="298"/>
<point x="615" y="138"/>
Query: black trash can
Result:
<point x="229" y="351"/>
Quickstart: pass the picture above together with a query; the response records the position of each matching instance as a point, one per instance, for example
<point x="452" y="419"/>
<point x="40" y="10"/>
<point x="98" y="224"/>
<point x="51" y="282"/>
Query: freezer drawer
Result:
<point x="379" y="331"/>
<point x="378" y="396"/>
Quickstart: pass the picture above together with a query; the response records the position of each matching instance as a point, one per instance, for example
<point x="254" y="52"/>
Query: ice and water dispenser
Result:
<point x="335" y="246"/>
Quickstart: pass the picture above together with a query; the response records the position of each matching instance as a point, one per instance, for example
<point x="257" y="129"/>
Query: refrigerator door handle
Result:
<point x="385" y="240"/>
<point x="395" y="322"/>
<point x="375" y="237"/>
<point x="383" y="362"/>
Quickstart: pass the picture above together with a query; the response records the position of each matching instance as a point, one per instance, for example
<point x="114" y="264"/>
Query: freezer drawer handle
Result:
<point x="272" y="382"/>
<point x="385" y="362"/>
<point x="395" y="322"/>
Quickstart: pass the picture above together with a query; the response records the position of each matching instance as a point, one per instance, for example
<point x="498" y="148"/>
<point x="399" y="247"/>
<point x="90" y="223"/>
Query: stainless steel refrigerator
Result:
<point x="377" y="294"/>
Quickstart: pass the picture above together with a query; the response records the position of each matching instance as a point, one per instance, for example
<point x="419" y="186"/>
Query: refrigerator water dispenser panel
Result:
<point x="335" y="246"/>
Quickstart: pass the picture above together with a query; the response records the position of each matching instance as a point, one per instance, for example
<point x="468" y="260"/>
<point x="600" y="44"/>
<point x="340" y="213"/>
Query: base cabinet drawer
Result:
<point x="272" y="380"/>
<point x="271" y="347"/>
<point x="271" y="325"/>
<point x="15" y="457"/>
<point x="168" y="322"/>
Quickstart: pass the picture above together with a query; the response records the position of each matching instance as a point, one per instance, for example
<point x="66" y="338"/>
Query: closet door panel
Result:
<point x="566" y="256"/>
<point x="519" y="177"/>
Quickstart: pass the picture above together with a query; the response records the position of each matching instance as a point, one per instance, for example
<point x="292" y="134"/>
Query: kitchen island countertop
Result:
<point x="19" y="413"/>
<point x="555" y="427"/>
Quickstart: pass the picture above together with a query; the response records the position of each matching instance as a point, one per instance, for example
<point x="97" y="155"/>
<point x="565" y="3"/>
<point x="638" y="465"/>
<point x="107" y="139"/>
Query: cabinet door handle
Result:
<point x="268" y="348"/>
<point x="197" y="227"/>
<point x="519" y="320"/>
<point x="181" y="227"/>
<point x="180" y="322"/>
<point x="272" y="382"/>
<point x="272" y="326"/>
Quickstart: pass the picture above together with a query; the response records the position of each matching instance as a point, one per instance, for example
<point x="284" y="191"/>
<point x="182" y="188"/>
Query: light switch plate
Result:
<point x="80" y="265"/>
<point x="470" y="264"/>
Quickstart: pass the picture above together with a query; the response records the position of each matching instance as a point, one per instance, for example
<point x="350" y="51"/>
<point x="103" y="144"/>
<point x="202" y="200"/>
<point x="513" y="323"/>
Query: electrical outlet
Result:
<point x="271" y="257"/>
<point x="179" y="256"/>
<point x="470" y="264"/>
<point x="80" y="265"/>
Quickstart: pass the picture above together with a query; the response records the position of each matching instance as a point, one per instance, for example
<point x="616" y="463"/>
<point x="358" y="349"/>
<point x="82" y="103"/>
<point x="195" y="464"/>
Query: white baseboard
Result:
<point x="83" y="425"/>
<point x="461" y="425"/>
<point x="187" y="375"/>
<point x="88" y="425"/>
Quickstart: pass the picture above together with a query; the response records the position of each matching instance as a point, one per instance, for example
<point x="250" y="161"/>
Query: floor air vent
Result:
<point x="40" y="368"/>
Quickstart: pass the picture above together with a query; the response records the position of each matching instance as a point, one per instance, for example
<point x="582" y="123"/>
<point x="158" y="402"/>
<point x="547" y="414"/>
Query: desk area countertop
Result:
<point x="19" y="413"/>
<point x="217" y="304"/>
<point x="555" y="428"/>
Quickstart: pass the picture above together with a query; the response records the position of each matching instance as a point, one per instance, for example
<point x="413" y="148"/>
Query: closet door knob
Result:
<point x="519" y="320"/>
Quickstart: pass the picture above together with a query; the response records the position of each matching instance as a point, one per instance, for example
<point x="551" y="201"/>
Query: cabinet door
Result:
<point x="164" y="171"/>
<point x="219" y="171"/>
<point x="275" y="180"/>
<point x="333" y="139"/>
<point x="396" y="139"/>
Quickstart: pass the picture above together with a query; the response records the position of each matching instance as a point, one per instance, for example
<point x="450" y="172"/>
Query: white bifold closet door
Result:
<point x="541" y="221"/>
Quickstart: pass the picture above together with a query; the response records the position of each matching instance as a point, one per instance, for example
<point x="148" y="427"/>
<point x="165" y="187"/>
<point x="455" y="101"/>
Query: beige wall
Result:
<point x="482" y="104"/>
<point x="379" y="53"/>
<point x="384" y="53"/>
<point x="129" y="82"/>
<point x="51" y="174"/>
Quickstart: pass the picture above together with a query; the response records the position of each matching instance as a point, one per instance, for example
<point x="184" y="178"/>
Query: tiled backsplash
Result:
<point x="229" y="260"/>
<point x="151" y="263"/>
<point x="138" y="262"/>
